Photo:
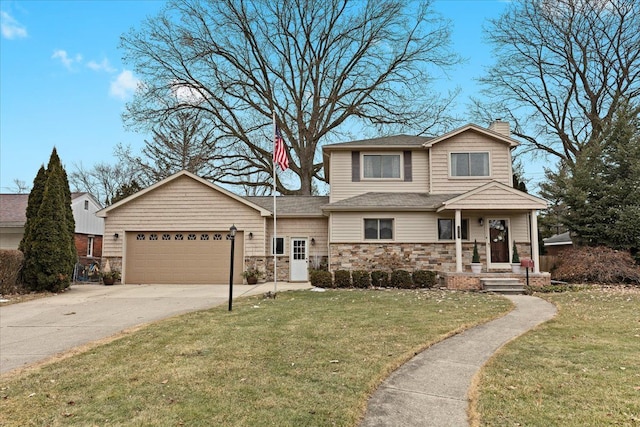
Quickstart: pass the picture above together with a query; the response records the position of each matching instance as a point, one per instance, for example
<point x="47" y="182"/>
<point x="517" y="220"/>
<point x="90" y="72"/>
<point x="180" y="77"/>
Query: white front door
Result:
<point x="299" y="260"/>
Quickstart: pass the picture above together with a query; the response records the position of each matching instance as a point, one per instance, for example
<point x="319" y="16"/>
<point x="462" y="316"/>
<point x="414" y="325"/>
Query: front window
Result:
<point x="446" y="228"/>
<point x="470" y="164"/>
<point x="277" y="246"/>
<point x="90" y="246"/>
<point x="381" y="165"/>
<point x="378" y="229"/>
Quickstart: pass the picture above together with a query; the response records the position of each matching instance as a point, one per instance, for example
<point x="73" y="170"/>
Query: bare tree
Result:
<point x="562" y="69"/>
<point x="19" y="187"/>
<point x="324" y="67"/>
<point x="104" y="180"/>
<point x="183" y="141"/>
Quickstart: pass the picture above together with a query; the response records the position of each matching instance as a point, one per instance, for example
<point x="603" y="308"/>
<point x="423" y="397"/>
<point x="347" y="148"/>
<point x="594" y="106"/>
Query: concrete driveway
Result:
<point x="36" y="330"/>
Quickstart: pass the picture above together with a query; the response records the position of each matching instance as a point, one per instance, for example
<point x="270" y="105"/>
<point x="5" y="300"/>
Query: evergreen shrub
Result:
<point x="379" y="278"/>
<point x="361" y="279"/>
<point x="401" y="279"/>
<point x="424" y="278"/>
<point x="321" y="279"/>
<point x="342" y="279"/>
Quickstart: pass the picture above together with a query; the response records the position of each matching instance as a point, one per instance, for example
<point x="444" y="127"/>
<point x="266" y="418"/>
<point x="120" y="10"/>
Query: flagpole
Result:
<point x="275" y="235"/>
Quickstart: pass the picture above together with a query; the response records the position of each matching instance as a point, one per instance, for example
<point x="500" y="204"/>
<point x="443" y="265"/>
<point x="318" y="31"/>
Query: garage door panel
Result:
<point x="201" y="257"/>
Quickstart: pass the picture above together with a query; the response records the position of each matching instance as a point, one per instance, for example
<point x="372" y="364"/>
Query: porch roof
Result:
<point x="390" y="201"/>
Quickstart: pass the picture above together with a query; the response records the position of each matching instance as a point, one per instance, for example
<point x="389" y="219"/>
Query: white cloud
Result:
<point x="64" y="57"/>
<point x="101" y="66"/>
<point x="124" y="85"/>
<point x="11" y="29"/>
<point x="188" y="94"/>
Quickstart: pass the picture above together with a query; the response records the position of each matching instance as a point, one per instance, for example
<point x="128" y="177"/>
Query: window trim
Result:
<point x="274" y="246"/>
<point x="378" y="238"/>
<point x="453" y="231"/>
<point x="450" y="156"/>
<point x="363" y="167"/>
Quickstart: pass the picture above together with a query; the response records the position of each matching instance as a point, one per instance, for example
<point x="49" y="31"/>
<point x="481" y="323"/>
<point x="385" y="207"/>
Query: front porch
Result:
<point x="473" y="282"/>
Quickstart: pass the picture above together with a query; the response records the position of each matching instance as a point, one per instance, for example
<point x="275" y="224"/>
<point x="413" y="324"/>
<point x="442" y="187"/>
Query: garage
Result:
<point x="181" y="257"/>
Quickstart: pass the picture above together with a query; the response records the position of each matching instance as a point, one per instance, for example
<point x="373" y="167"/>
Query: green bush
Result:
<point x="361" y="279"/>
<point x="380" y="278"/>
<point x="11" y="262"/>
<point x="424" y="278"/>
<point x="401" y="279"/>
<point x="321" y="279"/>
<point x="342" y="279"/>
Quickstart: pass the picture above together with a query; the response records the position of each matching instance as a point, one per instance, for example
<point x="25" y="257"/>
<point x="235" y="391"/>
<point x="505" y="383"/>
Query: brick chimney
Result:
<point x="500" y="127"/>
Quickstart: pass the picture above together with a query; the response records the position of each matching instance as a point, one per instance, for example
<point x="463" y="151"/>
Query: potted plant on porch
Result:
<point x="515" y="259"/>
<point x="252" y="274"/>
<point x="476" y="266"/>
<point x="110" y="277"/>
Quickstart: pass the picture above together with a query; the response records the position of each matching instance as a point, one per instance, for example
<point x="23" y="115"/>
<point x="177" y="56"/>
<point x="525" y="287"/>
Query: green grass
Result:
<point x="580" y="369"/>
<point x="303" y="359"/>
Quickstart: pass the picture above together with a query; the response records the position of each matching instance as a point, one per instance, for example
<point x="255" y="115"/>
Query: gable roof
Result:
<point x="475" y="128"/>
<point x="292" y="206"/>
<point x="395" y="141"/>
<point x="390" y="202"/>
<point x="495" y="196"/>
<point x="13" y="209"/>
<point x="104" y="212"/>
<point x="558" y="239"/>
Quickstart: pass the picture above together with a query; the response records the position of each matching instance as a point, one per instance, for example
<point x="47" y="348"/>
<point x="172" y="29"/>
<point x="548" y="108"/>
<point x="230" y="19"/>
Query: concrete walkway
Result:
<point x="431" y="389"/>
<point x="36" y="330"/>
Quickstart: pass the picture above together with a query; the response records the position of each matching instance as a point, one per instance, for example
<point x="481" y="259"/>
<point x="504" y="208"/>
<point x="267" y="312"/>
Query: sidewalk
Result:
<point x="33" y="331"/>
<point x="431" y="389"/>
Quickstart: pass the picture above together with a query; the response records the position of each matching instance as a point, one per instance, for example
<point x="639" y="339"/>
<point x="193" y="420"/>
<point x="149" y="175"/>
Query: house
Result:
<point x="417" y="201"/>
<point x="88" y="231"/>
<point x="557" y="243"/>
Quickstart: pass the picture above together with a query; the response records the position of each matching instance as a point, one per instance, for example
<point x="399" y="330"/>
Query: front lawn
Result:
<point x="580" y="369"/>
<point x="303" y="359"/>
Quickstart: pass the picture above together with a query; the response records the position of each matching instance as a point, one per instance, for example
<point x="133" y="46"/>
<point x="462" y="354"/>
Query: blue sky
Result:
<point x="63" y="84"/>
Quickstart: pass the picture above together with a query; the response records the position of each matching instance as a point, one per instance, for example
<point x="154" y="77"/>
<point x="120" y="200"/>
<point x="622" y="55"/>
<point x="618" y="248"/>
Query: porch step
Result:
<point x="502" y="286"/>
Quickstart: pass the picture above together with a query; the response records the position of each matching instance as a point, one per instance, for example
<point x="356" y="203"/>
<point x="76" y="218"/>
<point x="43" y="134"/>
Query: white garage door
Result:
<point x="171" y="257"/>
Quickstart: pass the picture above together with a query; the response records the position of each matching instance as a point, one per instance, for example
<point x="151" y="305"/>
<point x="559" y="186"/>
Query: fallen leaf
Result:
<point x="165" y="381"/>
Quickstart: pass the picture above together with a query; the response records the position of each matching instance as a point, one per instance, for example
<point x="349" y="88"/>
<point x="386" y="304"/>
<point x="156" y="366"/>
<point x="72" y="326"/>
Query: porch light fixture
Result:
<point x="481" y="221"/>
<point x="313" y="241"/>
<point x="250" y="235"/>
<point x="232" y="237"/>
<point x="115" y="236"/>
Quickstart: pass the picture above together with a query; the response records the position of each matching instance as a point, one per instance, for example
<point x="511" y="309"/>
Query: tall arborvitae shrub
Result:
<point x="51" y="255"/>
<point x="33" y="206"/>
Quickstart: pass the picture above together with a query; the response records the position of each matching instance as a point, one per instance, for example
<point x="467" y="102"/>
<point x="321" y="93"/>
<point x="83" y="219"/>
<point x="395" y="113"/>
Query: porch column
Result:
<point x="534" y="241"/>
<point x="458" y="235"/>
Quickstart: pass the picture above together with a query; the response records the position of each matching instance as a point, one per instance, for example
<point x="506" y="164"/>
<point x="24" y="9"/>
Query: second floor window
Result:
<point x="470" y="164"/>
<point x="381" y="165"/>
<point x="378" y="229"/>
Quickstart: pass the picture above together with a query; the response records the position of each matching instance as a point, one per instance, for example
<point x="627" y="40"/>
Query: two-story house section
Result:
<point x="411" y="201"/>
<point x="426" y="200"/>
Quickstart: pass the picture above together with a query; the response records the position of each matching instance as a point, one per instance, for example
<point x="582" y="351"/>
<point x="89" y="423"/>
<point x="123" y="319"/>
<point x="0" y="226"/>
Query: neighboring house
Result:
<point x="557" y="243"/>
<point x="88" y="231"/>
<point x="415" y="200"/>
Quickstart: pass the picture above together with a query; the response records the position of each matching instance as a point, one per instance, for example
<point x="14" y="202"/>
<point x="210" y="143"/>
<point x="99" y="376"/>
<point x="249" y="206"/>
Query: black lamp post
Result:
<point x="232" y="237"/>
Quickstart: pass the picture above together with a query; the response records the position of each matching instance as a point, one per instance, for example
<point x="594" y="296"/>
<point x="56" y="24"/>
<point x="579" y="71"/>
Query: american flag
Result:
<point x="279" y="152"/>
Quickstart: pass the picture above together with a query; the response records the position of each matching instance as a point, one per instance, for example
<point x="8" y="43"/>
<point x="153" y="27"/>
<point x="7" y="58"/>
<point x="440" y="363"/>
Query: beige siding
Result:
<point x="182" y="204"/>
<point x="421" y="227"/>
<point x="469" y="141"/>
<point x="495" y="198"/>
<point x="342" y="187"/>
<point x="315" y="228"/>
<point x="10" y="237"/>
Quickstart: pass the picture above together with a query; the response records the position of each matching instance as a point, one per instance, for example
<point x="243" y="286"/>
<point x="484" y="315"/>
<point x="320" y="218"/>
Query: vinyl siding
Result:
<point x="469" y="141"/>
<point x="342" y="186"/>
<point x="182" y="205"/>
<point x="86" y="220"/>
<point x="421" y="227"/>
<point x="315" y="228"/>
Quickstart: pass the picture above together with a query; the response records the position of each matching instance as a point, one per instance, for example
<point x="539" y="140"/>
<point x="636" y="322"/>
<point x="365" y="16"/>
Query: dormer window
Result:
<point x="381" y="166"/>
<point x="470" y="164"/>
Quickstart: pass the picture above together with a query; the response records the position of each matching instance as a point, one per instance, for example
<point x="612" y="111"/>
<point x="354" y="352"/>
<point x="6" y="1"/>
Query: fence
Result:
<point x="548" y="262"/>
<point x="87" y="270"/>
